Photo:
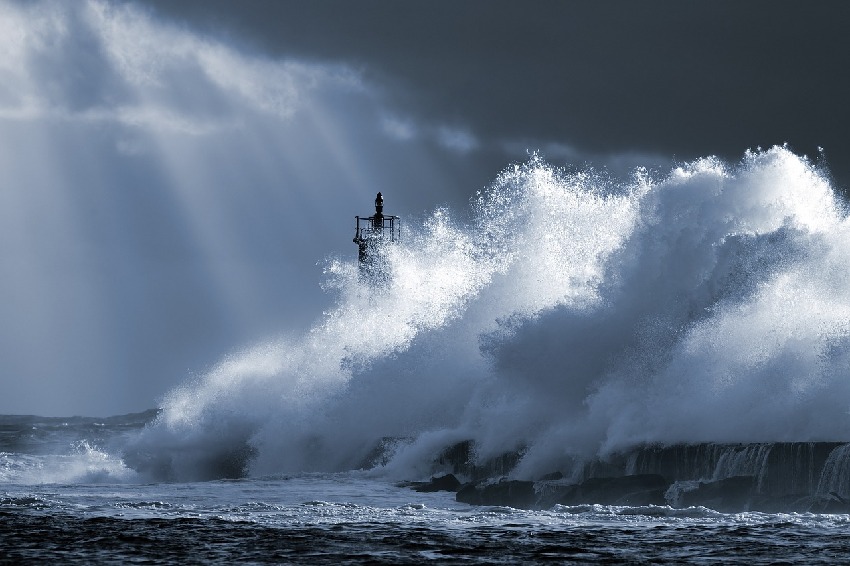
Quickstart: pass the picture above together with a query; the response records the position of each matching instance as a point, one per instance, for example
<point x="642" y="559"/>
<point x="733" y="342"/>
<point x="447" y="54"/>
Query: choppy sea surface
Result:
<point x="66" y="497"/>
<point x="333" y="518"/>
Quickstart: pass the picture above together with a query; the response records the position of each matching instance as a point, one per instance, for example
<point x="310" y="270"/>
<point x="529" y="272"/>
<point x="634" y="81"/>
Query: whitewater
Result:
<point x="568" y="315"/>
<point x="572" y="315"/>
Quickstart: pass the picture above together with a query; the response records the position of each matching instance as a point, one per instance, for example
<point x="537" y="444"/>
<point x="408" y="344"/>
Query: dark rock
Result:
<point x="728" y="495"/>
<point x="834" y="503"/>
<point x="801" y="503"/>
<point x="447" y="482"/>
<point x="509" y="493"/>
<point x="646" y="489"/>
<point x="459" y="458"/>
<point x="469" y="493"/>
<point x="837" y="497"/>
<point x="641" y="489"/>
<point x="550" y="494"/>
<point x="644" y="497"/>
<point x="792" y="477"/>
<point x="554" y="476"/>
<point x="794" y="503"/>
<point x="783" y="468"/>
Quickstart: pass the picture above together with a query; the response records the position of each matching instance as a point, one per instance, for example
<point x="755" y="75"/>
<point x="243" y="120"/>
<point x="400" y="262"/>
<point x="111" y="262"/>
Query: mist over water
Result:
<point x="574" y="315"/>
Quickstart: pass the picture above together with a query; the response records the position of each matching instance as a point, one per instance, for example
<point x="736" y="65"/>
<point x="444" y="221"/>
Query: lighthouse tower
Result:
<point x="372" y="233"/>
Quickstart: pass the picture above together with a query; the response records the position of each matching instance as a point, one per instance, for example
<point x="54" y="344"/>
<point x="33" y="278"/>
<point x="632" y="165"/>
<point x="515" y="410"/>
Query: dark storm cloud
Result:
<point x="675" y="78"/>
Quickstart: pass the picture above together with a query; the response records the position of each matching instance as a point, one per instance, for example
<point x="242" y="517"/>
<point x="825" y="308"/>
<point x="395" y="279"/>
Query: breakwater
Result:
<point x="772" y="477"/>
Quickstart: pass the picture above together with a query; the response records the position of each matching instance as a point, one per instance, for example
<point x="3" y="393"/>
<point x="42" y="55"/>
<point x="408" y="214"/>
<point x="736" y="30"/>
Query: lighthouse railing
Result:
<point x="388" y="227"/>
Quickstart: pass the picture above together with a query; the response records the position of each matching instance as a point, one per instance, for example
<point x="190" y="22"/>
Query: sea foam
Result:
<point x="574" y="315"/>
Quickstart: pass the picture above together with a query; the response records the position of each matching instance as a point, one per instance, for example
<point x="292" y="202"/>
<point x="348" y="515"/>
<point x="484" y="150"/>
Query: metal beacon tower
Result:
<point x="371" y="235"/>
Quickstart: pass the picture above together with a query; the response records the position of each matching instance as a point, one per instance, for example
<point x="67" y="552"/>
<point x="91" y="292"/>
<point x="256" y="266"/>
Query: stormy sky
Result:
<point x="669" y="78"/>
<point x="175" y="173"/>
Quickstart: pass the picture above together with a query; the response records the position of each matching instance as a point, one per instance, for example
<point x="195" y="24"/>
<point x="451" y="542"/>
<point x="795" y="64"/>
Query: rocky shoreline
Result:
<point x="811" y="477"/>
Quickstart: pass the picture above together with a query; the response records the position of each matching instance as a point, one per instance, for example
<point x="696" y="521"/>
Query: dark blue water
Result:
<point x="66" y="499"/>
<point x="70" y="539"/>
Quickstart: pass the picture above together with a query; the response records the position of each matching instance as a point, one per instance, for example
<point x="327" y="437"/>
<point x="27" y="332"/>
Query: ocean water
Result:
<point x="567" y="315"/>
<point x="78" y="504"/>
